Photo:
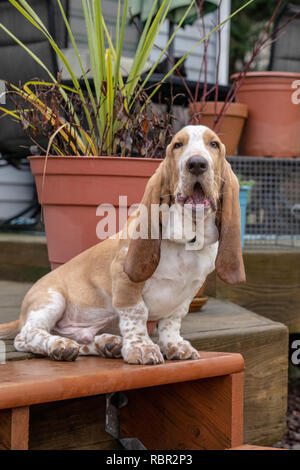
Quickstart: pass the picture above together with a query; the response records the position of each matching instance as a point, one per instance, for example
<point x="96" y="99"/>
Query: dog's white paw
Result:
<point x="143" y="352"/>
<point x="64" y="349"/>
<point x="108" y="345"/>
<point x="182" y="350"/>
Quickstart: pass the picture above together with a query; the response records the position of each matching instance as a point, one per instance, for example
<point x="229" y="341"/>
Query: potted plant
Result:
<point x="92" y="126"/>
<point x="228" y="117"/>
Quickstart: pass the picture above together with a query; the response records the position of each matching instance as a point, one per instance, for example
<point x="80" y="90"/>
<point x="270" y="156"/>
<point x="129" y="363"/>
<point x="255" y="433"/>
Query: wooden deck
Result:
<point x="23" y="258"/>
<point x="272" y="288"/>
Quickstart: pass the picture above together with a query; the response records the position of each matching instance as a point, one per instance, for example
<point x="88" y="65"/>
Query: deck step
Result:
<point x="194" y="404"/>
<point x="23" y="257"/>
<point x="263" y="343"/>
<point x="43" y="380"/>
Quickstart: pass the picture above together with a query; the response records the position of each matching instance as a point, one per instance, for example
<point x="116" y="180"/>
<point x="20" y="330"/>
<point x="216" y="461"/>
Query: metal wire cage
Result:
<point x="273" y="212"/>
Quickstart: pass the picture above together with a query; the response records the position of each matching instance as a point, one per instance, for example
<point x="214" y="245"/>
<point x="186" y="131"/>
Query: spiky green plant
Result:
<point x="102" y="122"/>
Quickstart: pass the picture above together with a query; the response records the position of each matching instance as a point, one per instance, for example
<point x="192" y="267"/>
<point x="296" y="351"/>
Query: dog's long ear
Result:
<point x="144" y="253"/>
<point x="229" y="262"/>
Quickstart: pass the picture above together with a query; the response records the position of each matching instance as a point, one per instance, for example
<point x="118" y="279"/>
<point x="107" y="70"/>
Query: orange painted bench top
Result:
<point x="34" y="381"/>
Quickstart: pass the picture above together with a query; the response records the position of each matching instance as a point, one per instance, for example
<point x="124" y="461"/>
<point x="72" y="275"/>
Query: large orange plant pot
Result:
<point x="273" y="125"/>
<point x="71" y="191"/>
<point x="231" y="126"/>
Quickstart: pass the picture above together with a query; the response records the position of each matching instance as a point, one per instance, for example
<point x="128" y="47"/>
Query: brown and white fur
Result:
<point x="100" y="301"/>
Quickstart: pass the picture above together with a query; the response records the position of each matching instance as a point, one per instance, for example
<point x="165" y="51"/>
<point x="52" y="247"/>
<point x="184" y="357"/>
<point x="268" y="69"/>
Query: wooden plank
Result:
<point x="14" y="428"/>
<point x="43" y="380"/>
<point x="5" y="429"/>
<point x="203" y="414"/>
<point x="20" y="428"/>
<point x="11" y="297"/>
<point x="24" y="249"/>
<point x="12" y="355"/>
<point x="23" y="258"/>
<point x="70" y="425"/>
<point x="237" y="407"/>
<point x="22" y="272"/>
<point x="264" y="346"/>
<point x="272" y="288"/>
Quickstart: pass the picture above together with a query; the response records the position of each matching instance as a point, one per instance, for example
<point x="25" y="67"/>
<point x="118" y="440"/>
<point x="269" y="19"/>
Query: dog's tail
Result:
<point x="9" y="330"/>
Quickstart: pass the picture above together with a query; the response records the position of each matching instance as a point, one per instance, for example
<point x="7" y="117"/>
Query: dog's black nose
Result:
<point x="197" y="165"/>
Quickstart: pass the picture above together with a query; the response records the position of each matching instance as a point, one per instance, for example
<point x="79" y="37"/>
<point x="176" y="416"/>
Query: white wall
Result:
<point x="185" y="39"/>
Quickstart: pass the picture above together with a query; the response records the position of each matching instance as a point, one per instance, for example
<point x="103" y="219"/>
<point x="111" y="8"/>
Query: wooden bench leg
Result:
<point x="202" y="414"/>
<point x="14" y="428"/>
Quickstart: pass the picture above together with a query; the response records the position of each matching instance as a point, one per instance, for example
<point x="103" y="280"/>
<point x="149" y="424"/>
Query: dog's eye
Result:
<point x="214" y="144"/>
<point x="178" y="145"/>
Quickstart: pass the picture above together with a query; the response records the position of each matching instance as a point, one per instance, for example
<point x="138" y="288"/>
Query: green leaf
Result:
<point x="109" y="101"/>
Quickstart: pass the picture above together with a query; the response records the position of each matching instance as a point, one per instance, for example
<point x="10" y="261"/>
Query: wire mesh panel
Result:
<point x="273" y="212"/>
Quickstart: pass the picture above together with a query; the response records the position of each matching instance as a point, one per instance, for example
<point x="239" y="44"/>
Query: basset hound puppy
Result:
<point x="99" y="302"/>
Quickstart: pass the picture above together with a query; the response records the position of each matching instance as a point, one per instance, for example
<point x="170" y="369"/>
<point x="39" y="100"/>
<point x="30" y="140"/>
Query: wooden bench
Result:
<point x="177" y="405"/>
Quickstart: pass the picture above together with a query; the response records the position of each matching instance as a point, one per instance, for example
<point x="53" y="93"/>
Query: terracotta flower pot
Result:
<point x="273" y="125"/>
<point x="232" y="125"/>
<point x="73" y="189"/>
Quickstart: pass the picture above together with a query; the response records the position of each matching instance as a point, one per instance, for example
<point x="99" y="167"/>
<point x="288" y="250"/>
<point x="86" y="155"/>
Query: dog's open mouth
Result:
<point x="197" y="197"/>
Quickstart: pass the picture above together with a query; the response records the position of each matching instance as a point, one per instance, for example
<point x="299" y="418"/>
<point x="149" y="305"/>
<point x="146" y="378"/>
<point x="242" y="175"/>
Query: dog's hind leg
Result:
<point x="104" y="345"/>
<point x="36" y="337"/>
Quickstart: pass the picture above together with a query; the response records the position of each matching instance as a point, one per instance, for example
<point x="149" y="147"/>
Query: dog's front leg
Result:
<point x="137" y="347"/>
<point x="171" y="343"/>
